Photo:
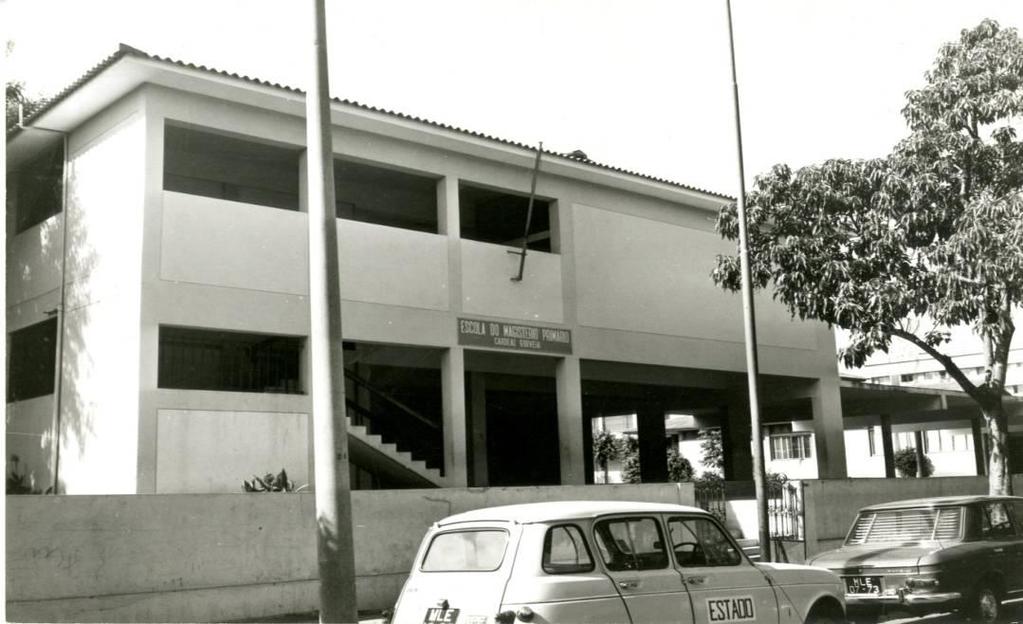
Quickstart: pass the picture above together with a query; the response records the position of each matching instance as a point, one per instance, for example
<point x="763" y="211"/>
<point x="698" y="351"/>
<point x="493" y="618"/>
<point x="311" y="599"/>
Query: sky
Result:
<point x="640" y="84"/>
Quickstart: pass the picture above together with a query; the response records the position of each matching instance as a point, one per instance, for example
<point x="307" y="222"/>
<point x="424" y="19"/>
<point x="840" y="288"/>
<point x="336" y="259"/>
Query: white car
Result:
<point x="603" y="561"/>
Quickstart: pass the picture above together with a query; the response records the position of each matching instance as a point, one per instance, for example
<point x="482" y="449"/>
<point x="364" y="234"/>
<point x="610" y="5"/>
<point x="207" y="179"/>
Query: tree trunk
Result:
<point x="999" y="472"/>
<point x="606" y="476"/>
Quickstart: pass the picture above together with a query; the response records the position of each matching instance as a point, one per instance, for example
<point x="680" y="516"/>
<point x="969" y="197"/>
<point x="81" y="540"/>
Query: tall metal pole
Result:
<point x="330" y="432"/>
<point x="749" y="317"/>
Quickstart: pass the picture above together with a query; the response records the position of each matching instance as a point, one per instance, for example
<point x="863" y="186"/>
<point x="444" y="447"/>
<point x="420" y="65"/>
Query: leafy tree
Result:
<point x="679" y="468"/>
<point x="14" y="94"/>
<point x="630" y="460"/>
<point x="905" y="463"/>
<point x="606" y="448"/>
<point x="914" y="243"/>
<point x="711" y="449"/>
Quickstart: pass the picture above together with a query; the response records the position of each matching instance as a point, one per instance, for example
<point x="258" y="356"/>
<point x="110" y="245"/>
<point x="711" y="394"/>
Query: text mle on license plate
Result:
<point x="437" y="615"/>
<point x="863" y="585"/>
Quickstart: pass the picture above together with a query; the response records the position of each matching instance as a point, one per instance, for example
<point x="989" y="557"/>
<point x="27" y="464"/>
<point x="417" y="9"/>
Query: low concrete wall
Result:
<point x="830" y="505"/>
<point x="217" y="557"/>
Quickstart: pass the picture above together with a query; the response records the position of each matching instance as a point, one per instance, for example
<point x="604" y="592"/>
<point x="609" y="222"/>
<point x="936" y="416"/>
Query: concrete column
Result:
<point x="918" y="447"/>
<point x="979" y="448"/>
<point x="570" y="421"/>
<point x="828" y="427"/>
<point x="653" y="447"/>
<point x="736" y="437"/>
<point x="887" y="446"/>
<point x="479" y="475"/>
<point x="452" y="374"/>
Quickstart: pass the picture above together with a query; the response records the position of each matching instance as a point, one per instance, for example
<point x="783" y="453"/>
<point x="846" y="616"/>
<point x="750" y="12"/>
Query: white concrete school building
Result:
<point x="158" y="317"/>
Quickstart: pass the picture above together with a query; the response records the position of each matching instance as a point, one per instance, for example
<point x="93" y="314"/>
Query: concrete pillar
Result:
<point x="479" y="475"/>
<point x="570" y="421"/>
<point x="653" y="447"/>
<point x="826" y="402"/>
<point x="456" y="465"/>
<point x="736" y="436"/>
<point x="887" y="447"/>
<point x="918" y="447"/>
<point x="979" y="448"/>
<point x="452" y="374"/>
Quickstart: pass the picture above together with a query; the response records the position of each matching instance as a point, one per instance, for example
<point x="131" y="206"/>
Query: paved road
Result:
<point x="1014" y="615"/>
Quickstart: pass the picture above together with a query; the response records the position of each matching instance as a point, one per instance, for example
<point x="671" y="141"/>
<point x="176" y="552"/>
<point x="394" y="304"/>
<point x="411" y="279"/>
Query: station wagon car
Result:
<point x="600" y="561"/>
<point x="932" y="555"/>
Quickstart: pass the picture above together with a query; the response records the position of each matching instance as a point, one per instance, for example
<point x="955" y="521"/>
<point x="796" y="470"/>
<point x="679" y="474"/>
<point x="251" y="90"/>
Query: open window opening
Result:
<point x="493" y="216"/>
<point x="215" y="165"/>
<point x="385" y="196"/>
<point x="32" y="359"/>
<point x="37" y="188"/>
<point x="203" y="359"/>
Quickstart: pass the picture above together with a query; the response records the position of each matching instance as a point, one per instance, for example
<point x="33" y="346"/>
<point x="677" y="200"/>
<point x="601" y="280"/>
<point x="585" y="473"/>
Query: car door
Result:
<point x="996" y="528"/>
<point x="634" y="554"/>
<point x="724" y="586"/>
<point x="1014" y="580"/>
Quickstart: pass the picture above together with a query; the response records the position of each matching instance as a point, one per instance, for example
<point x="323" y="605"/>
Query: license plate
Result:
<point x="440" y="616"/>
<point x="863" y="585"/>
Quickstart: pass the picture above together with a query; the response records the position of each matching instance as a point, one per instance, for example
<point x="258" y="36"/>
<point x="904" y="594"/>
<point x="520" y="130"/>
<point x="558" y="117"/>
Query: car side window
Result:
<point x="699" y="542"/>
<point x="1017" y="511"/>
<point x="631" y="544"/>
<point x="565" y="551"/>
<point x="995" y="521"/>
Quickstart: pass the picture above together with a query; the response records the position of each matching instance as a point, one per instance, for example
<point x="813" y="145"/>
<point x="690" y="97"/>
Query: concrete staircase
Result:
<point x="384" y="458"/>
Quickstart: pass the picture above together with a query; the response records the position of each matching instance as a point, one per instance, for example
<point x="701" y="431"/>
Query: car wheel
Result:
<point x="985" y="605"/>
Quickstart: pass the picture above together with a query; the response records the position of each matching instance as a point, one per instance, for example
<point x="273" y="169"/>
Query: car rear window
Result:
<point x="466" y="551"/>
<point x="906" y="525"/>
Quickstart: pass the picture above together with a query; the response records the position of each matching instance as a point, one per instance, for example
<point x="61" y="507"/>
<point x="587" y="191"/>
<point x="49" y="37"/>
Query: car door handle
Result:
<point x="696" y="580"/>
<point x="629" y="584"/>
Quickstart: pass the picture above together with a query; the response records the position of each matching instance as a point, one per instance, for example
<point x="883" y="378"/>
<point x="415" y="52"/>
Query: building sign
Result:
<point x="476" y="333"/>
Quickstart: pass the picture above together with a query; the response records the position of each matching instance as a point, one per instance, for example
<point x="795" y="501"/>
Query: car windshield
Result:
<point x="906" y="525"/>
<point x="466" y="551"/>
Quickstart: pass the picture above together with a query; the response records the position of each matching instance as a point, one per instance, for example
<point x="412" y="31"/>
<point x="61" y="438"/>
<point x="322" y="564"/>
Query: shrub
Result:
<point x="679" y="468"/>
<point x="905" y="463"/>
<point x="272" y="483"/>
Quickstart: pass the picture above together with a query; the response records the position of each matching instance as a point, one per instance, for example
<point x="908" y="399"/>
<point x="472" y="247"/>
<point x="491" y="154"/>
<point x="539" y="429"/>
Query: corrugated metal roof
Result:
<point x="126" y="50"/>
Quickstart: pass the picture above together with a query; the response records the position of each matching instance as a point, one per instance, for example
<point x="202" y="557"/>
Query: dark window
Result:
<point x="200" y="359"/>
<point x="631" y="544"/>
<point x="565" y="551"/>
<point x="699" y="542"/>
<point x="225" y="167"/>
<point x="32" y="358"/>
<point x="385" y="197"/>
<point x="37" y="188"/>
<point x="906" y="377"/>
<point x="499" y="217"/>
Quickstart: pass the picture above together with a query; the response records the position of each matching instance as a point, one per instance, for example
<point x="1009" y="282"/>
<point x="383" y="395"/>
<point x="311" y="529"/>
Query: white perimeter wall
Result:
<point x="222" y="557"/>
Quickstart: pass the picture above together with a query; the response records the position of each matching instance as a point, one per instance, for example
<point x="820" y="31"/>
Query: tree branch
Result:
<point x="945" y="361"/>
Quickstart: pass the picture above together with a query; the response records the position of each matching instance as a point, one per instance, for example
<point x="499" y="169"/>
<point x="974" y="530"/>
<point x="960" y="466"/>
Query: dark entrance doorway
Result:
<point x="522" y="437"/>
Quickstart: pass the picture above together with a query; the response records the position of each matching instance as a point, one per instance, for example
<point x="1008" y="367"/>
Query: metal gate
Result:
<point x="785" y="511"/>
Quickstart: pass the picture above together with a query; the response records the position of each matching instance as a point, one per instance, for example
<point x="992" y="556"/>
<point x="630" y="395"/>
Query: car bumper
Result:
<point x="903" y="600"/>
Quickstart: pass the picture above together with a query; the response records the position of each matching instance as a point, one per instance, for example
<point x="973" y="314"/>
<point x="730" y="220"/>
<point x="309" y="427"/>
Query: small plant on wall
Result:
<point x="272" y="483"/>
<point x="19" y="482"/>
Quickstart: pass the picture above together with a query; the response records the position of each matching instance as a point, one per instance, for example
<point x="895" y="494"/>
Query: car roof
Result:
<point x="938" y="501"/>
<point x="563" y="510"/>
